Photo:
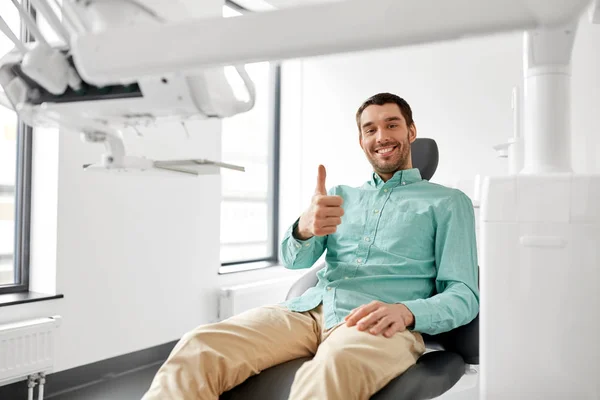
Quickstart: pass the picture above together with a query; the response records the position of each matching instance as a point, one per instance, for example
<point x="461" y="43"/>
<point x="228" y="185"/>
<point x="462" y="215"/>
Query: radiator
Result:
<point x="239" y="298"/>
<point x="27" y="347"/>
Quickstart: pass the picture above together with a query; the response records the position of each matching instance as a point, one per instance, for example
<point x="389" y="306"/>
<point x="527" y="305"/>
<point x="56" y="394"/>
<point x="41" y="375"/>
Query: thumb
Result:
<point x="321" y="181"/>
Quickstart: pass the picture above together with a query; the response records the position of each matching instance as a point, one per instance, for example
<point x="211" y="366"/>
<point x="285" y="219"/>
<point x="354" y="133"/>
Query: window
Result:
<point x="249" y="199"/>
<point x="15" y="166"/>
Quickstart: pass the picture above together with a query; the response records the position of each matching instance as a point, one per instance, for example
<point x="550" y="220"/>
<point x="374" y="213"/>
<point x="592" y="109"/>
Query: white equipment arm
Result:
<point x="125" y="54"/>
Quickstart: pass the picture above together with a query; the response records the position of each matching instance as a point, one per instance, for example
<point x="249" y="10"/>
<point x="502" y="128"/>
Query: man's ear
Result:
<point x="412" y="133"/>
<point x="360" y="140"/>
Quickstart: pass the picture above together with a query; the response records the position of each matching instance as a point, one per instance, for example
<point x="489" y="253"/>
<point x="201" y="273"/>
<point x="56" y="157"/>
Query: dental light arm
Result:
<point x="304" y="32"/>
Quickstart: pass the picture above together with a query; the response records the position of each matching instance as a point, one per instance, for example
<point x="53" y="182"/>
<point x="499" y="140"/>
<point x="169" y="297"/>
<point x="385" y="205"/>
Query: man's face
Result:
<point x="386" y="139"/>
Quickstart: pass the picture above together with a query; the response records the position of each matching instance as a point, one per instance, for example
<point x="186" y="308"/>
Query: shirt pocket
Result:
<point x="406" y="233"/>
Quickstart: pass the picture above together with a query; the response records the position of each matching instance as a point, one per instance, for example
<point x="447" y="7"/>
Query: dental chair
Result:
<point x="447" y="358"/>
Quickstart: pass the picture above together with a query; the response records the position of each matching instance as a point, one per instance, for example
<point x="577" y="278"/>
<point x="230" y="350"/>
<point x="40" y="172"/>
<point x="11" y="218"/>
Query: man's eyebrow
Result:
<point x="393" y="119"/>
<point x="388" y="119"/>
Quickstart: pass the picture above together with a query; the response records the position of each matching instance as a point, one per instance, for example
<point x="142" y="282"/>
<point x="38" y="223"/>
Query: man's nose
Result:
<point x="381" y="135"/>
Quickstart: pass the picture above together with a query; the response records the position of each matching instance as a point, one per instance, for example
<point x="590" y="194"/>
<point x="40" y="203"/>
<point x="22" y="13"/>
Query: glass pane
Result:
<point x="245" y="137"/>
<point x="8" y="160"/>
<point x="244" y="223"/>
<point x="243" y="252"/>
<point x="246" y="140"/>
<point x="252" y="183"/>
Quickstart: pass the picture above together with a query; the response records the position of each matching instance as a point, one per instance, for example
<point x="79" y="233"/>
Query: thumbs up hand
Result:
<point x="324" y="213"/>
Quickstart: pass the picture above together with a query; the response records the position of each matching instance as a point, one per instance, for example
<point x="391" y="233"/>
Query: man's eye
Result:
<point x="392" y="126"/>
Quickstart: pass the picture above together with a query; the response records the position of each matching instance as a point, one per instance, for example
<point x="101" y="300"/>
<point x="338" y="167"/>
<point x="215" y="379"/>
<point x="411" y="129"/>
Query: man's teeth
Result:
<point x="385" y="150"/>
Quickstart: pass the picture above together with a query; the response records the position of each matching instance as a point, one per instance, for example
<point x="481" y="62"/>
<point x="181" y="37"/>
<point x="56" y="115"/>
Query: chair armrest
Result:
<point x="463" y="340"/>
<point x="305" y="282"/>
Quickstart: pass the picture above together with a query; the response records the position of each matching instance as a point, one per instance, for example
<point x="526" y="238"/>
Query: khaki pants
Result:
<point x="347" y="364"/>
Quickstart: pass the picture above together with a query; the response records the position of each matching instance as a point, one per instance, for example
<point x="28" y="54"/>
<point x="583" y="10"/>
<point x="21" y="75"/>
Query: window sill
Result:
<point x="11" y="299"/>
<point x="243" y="267"/>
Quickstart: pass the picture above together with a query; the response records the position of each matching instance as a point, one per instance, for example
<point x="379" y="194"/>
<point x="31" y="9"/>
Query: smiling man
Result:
<point x="401" y="260"/>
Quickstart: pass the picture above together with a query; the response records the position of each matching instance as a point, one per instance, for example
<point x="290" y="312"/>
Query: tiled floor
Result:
<point x="130" y="386"/>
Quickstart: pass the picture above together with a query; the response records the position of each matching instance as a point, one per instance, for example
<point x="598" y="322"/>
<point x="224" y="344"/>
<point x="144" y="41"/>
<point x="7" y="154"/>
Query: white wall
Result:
<point x="460" y="93"/>
<point x="135" y="257"/>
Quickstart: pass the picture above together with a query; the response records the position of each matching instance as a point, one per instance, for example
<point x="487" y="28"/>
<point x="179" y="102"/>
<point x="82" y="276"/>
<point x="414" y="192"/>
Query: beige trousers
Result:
<point x="347" y="364"/>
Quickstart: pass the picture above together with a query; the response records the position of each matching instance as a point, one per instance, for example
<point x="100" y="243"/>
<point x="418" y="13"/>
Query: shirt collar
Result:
<point x="406" y="176"/>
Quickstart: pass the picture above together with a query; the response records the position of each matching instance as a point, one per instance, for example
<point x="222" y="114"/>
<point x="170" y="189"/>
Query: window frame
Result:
<point x="22" y="192"/>
<point x="274" y="166"/>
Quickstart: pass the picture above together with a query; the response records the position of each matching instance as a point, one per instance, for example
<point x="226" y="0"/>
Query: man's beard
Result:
<point x="399" y="161"/>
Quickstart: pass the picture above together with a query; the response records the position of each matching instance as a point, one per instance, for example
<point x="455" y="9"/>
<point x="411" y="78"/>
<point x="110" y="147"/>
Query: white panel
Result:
<point x="544" y="198"/>
<point x="236" y="299"/>
<point x="499" y="265"/>
<point x="27" y="347"/>
<point x="585" y="192"/>
<point x="504" y="191"/>
<point x="540" y="299"/>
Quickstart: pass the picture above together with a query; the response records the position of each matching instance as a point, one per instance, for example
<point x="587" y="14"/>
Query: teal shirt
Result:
<point x="403" y="241"/>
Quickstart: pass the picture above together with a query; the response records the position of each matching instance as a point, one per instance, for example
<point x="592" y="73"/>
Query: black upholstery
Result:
<point x="433" y="374"/>
<point x="425" y="156"/>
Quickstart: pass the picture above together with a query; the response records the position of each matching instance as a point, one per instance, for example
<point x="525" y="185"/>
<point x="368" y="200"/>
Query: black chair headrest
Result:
<point x="425" y="156"/>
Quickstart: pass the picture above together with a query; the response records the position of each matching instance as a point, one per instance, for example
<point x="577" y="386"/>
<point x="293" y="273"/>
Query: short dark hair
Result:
<point x="386" y="98"/>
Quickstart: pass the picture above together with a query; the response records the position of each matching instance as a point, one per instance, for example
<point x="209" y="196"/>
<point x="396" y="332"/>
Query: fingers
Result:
<point x="328" y="212"/>
<point x="358" y="314"/>
<point x="395" y="327"/>
<point x="330" y="230"/>
<point x="329" y="201"/>
<point x="321" y="175"/>
<point x="371" y="319"/>
<point x="362" y="312"/>
<point x="382" y="325"/>
<point x="331" y="221"/>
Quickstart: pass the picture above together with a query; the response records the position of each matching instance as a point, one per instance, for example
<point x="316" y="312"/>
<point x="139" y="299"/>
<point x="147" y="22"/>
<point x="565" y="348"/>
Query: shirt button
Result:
<point x="328" y="287"/>
<point x="307" y="244"/>
<point x="385" y="190"/>
<point x="346" y="277"/>
<point x="376" y="211"/>
<point x="367" y="239"/>
<point x="359" y="260"/>
<point x="298" y="246"/>
<point x="404" y="183"/>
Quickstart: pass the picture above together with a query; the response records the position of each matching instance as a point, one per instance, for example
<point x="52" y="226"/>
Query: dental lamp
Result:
<point x="540" y="227"/>
<point x="43" y="84"/>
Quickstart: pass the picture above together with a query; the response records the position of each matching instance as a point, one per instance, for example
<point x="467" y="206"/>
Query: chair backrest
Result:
<point x="425" y="156"/>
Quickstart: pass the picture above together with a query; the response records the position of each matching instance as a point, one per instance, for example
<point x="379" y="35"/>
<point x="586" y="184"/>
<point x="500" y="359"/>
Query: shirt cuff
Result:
<point x="421" y="312"/>
<point x="297" y="243"/>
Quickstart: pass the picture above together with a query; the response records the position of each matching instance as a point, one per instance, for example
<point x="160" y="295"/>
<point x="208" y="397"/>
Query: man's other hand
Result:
<point x="324" y="214"/>
<point x="380" y="317"/>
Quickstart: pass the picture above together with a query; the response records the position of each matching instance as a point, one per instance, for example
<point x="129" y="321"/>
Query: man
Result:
<point x="401" y="260"/>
